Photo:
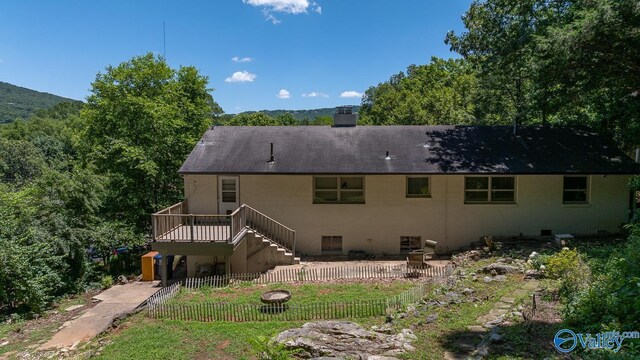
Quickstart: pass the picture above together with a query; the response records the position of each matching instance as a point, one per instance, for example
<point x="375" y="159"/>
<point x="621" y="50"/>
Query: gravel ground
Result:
<point x="349" y="263"/>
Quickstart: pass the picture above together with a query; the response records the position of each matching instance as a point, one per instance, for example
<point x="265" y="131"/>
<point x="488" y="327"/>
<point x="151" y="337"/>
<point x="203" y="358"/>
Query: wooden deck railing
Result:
<point x="176" y="224"/>
<point x="268" y="227"/>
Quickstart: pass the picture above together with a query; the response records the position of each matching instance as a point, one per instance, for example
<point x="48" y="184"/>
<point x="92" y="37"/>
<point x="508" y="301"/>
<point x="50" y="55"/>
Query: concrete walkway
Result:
<point x="116" y="301"/>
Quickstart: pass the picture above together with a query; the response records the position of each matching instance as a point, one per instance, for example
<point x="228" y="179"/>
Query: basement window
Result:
<point x="489" y="189"/>
<point x="418" y="186"/>
<point x="410" y="243"/>
<point x="575" y="190"/>
<point x="331" y="244"/>
<point x="338" y="190"/>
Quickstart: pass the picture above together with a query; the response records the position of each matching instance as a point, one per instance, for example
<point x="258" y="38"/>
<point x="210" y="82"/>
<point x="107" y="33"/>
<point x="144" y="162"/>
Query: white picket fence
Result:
<point x="321" y="274"/>
<point x="163" y="295"/>
<point x="217" y="311"/>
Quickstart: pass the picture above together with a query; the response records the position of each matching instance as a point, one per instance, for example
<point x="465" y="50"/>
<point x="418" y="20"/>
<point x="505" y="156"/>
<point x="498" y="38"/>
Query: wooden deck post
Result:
<point x="293" y="247"/>
<point x="165" y="269"/>
<point x="227" y="265"/>
<point x="191" y="226"/>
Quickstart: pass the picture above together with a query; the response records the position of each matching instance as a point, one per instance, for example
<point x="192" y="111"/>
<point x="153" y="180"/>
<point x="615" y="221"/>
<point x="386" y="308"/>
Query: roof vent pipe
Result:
<point x="272" y="158"/>
<point x="387" y="157"/>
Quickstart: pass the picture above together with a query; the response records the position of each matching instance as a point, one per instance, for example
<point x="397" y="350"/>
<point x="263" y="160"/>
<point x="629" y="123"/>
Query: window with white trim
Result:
<point x="331" y="244"/>
<point x="490" y="189"/>
<point x="418" y="186"/>
<point x="575" y="190"/>
<point x="410" y="243"/>
<point x="338" y="189"/>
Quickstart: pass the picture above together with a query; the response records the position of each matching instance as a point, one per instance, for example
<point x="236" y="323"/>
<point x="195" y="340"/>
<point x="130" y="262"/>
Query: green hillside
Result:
<point x="303" y="114"/>
<point x="18" y="102"/>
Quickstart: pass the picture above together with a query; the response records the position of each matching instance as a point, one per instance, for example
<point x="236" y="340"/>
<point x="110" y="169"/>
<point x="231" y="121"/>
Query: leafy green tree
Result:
<point x="500" y="43"/>
<point x="45" y="229"/>
<point x="287" y="120"/>
<point x="562" y="61"/>
<point x="589" y="57"/>
<point x="441" y="92"/>
<point x="261" y="119"/>
<point x="20" y="161"/>
<point x="322" y="120"/>
<point x="142" y="120"/>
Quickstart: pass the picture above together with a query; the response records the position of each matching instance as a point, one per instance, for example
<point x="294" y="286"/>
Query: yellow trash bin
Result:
<point x="147" y="266"/>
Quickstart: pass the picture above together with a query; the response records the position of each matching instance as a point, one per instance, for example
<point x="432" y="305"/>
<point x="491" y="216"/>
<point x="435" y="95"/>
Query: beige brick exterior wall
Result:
<point x="387" y="214"/>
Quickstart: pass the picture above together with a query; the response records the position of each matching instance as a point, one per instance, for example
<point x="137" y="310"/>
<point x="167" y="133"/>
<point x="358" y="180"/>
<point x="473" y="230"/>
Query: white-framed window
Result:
<point x="331" y="244"/>
<point x="338" y="189"/>
<point x="410" y="243"/>
<point x="490" y="189"/>
<point x="418" y="186"/>
<point x="228" y="190"/>
<point x="575" y="189"/>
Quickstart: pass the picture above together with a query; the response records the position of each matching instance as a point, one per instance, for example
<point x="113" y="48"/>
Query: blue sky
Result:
<point x="251" y="50"/>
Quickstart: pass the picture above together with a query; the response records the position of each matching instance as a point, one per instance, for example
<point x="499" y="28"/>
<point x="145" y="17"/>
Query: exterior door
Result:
<point x="228" y="194"/>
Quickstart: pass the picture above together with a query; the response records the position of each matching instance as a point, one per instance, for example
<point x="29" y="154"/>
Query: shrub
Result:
<point x="570" y="268"/>
<point x="106" y="282"/>
<point x="536" y="261"/>
<point x="270" y="350"/>
<point x="612" y="300"/>
<point x="560" y="264"/>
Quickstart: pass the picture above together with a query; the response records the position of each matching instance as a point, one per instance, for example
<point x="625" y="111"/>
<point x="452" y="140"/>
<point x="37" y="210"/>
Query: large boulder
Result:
<point x="345" y="340"/>
<point x="500" y="269"/>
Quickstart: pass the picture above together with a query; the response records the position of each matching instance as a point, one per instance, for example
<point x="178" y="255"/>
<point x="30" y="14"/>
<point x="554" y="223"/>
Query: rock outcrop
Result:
<point x="345" y="340"/>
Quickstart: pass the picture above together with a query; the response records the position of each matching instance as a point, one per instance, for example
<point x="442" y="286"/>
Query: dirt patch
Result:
<point x="223" y="345"/>
<point x="23" y="332"/>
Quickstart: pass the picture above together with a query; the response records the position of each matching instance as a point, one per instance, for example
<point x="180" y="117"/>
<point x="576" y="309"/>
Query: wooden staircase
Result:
<point x="263" y="254"/>
<point x="269" y="243"/>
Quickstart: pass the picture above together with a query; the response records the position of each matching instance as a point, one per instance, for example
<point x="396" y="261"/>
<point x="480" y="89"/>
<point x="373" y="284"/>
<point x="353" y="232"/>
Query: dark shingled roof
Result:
<point x="448" y="150"/>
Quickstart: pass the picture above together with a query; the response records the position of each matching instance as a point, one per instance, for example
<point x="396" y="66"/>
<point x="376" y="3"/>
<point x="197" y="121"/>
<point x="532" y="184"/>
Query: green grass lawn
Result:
<point x="158" y="339"/>
<point x="301" y="294"/>
<point x="140" y="337"/>
<point x="149" y="338"/>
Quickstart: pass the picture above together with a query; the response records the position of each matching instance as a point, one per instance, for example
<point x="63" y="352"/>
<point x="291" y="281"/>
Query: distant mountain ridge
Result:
<point x="19" y="102"/>
<point x="302" y="114"/>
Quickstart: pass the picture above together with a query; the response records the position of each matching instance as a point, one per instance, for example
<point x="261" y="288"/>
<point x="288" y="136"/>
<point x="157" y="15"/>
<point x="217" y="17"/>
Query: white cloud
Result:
<point x="284" y="6"/>
<point x="315" y="94"/>
<point x="242" y="60"/>
<point x="283" y="94"/>
<point x="350" y="94"/>
<point x="241" y="76"/>
<point x="271" y="18"/>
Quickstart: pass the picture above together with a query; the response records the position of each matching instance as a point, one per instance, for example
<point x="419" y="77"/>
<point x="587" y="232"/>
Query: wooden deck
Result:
<point x="176" y="225"/>
<point x="196" y="233"/>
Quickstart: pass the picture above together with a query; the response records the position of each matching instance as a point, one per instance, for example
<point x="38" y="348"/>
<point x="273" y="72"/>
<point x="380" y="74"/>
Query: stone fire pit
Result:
<point x="275" y="297"/>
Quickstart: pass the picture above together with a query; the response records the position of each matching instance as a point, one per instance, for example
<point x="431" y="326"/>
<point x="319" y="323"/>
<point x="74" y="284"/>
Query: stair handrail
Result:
<point x="247" y="217"/>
